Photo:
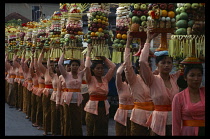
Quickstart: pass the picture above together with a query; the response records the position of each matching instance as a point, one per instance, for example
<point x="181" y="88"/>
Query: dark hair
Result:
<point x="159" y="58"/>
<point x="77" y="61"/>
<point x="137" y="64"/>
<point x="123" y="76"/>
<point x="192" y="66"/>
<point x="94" y="64"/>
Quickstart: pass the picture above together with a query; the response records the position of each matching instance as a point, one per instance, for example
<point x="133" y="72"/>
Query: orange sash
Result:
<point x="36" y="85"/>
<point x="54" y="89"/>
<point x="126" y="107"/>
<point x="73" y="90"/>
<point x="12" y="76"/>
<point x="194" y="123"/>
<point x="144" y="105"/>
<point x="163" y="107"/>
<point x="30" y="81"/>
<point x="21" y="77"/>
<point x="98" y="97"/>
<point x="41" y="85"/>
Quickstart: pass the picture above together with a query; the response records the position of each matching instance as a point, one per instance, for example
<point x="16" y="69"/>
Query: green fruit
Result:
<point x="89" y="41"/>
<point x="122" y="42"/>
<point x="130" y="14"/>
<point x="181" y="31"/>
<point x="182" y="24"/>
<point x="135" y="19"/>
<point x="120" y="45"/>
<point x="116" y="41"/>
<point x="191" y="23"/>
<point x="177" y="17"/>
<point x="183" y="16"/>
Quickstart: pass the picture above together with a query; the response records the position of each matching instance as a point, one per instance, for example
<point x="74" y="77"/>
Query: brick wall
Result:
<point x="156" y="41"/>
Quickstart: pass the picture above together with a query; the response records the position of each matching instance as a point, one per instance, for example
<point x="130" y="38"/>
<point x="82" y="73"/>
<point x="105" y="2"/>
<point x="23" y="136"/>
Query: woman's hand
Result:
<point x="129" y="37"/>
<point x="150" y="35"/>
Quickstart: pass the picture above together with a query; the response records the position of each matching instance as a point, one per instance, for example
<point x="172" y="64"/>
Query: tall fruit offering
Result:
<point x="98" y="33"/>
<point x="122" y="26"/>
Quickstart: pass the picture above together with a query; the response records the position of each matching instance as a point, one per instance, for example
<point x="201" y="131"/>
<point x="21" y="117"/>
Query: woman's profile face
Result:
<point x="194" y="78"/>
<point x="165" y="65"/>
<point x="68" y="68"/>
<point x="99" y="70"/>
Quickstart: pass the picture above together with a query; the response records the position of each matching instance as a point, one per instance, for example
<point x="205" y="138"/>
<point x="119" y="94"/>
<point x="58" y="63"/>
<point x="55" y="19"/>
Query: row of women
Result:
<point x="150" y="102"/>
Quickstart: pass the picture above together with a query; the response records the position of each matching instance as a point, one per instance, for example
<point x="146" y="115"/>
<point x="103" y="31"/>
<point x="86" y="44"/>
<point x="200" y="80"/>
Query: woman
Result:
<point x="35" y="87"/>
<point x="61" y="90"/>
<point x="11" y="76"/>
<point x="46" y="103"/>
<point x="126" y="104"/>
<point x="163" y="87"/>
<point x="97" y="107"/>
<point x="29" y="84"/>
<point x="188" y="106"/>
<point x="39" y="94"/>
<point x="55" y="113"/>
<point x="73" y="97"/>
<point x="143" y="104"/>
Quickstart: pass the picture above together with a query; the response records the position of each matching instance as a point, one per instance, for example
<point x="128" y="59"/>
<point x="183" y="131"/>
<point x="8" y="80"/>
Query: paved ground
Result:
<point x="17" y="125"/>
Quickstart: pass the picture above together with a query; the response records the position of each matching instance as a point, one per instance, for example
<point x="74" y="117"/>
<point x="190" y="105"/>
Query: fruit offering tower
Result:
<point x="74" y="31"/>
<point x="11" y="41"/>
<point x="188" y="41"/>
<point x="122" y="25"/>
<point x="190" y="19"/>
<point x="53" y="40"/>
<point x="98" y="33"/>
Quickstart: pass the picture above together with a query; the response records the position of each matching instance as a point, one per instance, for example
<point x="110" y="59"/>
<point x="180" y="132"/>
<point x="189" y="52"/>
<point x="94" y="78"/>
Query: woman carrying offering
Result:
<point x="163" y="87"/>
<point x="73" y="98"/>
<point x="97" y="107"/>
<point x="143" y="105"/>
<point x="126" y="104"/>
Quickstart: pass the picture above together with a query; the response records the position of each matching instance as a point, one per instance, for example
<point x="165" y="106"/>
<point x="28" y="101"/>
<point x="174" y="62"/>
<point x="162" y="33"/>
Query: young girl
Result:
<point x="97" y="107"/>
<point x="188" y="106"/>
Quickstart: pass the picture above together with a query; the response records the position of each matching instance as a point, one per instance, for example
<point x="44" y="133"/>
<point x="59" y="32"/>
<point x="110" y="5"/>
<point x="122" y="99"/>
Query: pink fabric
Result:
<point x="40" y="91"/>
<point x="184" y="109"/>
<point x="35" y="90"/>
<point x="159" y="93"/>
<point x="46" y="91"/>
<point x="71" y="82"/>
<point x="140" y="91"/>
<point x="60" y="94"/>
<point x="96" y="88"/>
<point x="125" y="98"/>
<point x="54" y="84"/>
<point x="30" y="86"/>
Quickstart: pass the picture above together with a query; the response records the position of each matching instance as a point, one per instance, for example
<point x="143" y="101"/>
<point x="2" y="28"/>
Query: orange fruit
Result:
<point x="99" y="20"/>
<point x="124" y="36"/>
<point x="92" y="34"/>
<point x="119" y="36"/>
<point x="171" y="14"/>
<point x="164" y="13"/>
<point x="100" y="30"/>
